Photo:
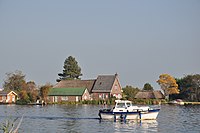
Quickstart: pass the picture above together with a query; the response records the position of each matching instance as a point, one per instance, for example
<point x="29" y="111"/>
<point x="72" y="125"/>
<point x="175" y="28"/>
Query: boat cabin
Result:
<point x="124" y="106"/>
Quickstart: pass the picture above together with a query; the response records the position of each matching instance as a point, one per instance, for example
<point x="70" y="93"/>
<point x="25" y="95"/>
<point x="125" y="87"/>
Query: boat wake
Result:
<point x="52" y="117"/>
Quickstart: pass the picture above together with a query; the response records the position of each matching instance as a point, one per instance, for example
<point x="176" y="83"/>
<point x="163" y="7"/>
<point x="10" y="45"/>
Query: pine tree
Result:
<point x="71" y="70"/>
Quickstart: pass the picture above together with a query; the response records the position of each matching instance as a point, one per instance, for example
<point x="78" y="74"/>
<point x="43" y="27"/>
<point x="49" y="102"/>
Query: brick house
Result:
<point x="8" y="97"/>
<point x="107" y="86"/>
<point x="68" y="94"/>
<point x="103" y="87"/>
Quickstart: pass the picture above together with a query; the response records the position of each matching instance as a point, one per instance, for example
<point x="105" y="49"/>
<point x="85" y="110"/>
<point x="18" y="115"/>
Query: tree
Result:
<point x="129" y="92"/>
<point x="189" y="87"/>
<point x="44" y="90"/>
<point x="147" y="87"/>
<point x="31" y="86"/>
<point x="168" y="84"/>
<point x="24" y="98"/>
<point x="15" y="81"/>
<point x="196" y="88"/>
<point x="32" y="91"/>
<point x="33" y="95"/>
<point x="71" y="70"/>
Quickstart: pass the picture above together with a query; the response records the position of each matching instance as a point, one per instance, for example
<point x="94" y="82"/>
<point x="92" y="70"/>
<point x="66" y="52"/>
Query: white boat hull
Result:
<point x="124" y="110"/>
<point x="145" y="115"/>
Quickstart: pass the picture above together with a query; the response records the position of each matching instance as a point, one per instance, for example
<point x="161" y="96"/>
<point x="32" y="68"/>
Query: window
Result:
<point x="13" y="98"/>
<point x="4" y="98"/>
<point x="8" y="98"/>
<point x="128" y="104"/>
<point x="103" y="96"/>
<point x="116" y="87"/>
<point x="85" y="97"/>
<point x="99" y="95"/>
<point x="120" y="105"/>
<point x="76" y="98"/>
<point x="64" y="98"/>
<point x="55" y="99"/>
<point x="119" y="96"/>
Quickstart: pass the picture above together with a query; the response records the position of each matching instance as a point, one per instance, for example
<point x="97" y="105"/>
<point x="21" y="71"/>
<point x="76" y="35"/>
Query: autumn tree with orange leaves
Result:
<point x="168" y="85"/>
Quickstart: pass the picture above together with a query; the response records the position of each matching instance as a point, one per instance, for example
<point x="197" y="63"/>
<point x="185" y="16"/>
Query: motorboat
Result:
<point x="125" y="110"/>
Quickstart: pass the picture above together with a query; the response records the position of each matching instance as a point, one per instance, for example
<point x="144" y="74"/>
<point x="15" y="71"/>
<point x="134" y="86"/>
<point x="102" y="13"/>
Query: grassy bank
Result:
<point x="112" y="102"/>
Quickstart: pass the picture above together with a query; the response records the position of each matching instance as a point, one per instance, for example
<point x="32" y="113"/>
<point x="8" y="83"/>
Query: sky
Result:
<point x="138" y="39"/>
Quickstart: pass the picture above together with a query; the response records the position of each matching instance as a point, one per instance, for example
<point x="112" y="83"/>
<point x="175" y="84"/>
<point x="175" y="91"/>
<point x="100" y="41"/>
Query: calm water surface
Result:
<point x="84" y="119"/>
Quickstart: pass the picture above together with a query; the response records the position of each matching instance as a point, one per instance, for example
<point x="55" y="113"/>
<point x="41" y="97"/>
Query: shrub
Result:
<point x="22" y="101"/>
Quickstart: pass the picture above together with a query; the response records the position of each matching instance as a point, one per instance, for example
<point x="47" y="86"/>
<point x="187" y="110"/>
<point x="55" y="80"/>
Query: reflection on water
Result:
<point x="84" y="119"/>
<point x="134" y="125"/>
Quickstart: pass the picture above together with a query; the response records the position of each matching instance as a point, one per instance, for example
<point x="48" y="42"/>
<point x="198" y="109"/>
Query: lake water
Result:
<point x="84" y="119"/>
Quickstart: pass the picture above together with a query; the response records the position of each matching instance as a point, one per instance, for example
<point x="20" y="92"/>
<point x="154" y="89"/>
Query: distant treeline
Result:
<point x="188" y="86"/>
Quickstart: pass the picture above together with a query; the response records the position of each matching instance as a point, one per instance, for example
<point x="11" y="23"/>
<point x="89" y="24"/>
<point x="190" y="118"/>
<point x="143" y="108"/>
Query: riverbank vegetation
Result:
<point x="189" y="87"/>
<point x="28" y="92"/>
<point x="186" y="88"/>
<point x="11" y="125"/>
<point x="168" y="85"/>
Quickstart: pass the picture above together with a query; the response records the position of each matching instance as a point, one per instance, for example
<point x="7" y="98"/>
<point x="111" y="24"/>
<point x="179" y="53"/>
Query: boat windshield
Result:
<point x="120" y="105"/>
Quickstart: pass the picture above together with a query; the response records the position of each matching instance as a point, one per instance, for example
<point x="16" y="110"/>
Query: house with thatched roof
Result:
<point x="104" y="87"/>
<point x="149" y="95"/>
